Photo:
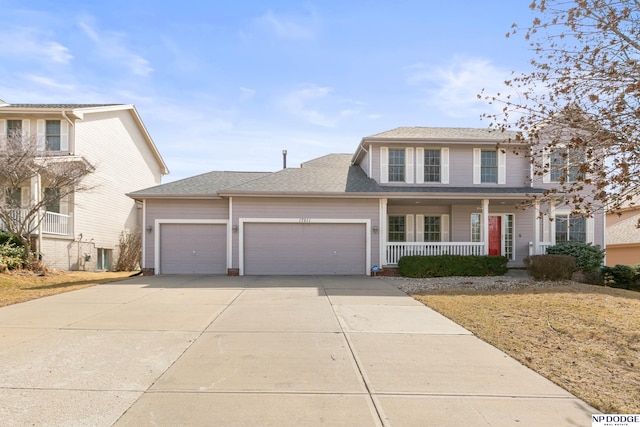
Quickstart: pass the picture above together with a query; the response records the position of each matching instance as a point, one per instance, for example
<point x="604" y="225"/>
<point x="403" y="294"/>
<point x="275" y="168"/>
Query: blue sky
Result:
<point x="227" y="85"/>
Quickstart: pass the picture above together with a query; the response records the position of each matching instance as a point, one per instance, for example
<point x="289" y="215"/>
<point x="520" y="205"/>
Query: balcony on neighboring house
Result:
<point x="53" y="223"/>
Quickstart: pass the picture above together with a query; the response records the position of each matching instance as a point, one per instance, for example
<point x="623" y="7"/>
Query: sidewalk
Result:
<point x="277" y="351"/>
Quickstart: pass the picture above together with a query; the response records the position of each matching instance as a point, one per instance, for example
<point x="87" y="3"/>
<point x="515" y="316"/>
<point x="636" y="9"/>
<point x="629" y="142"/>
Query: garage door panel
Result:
<point x="294" y="248"/>
<point x="193" y="249"/>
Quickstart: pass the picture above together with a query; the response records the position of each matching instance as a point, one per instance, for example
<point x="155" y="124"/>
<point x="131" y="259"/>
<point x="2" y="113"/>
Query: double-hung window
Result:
<point x="431" y="165"/>
<point x="396" y="164"/>
<point x="489" y="166"/>
<point x="432" y="229"/>
<point x="570" y="229"/>
<point x="564" y="165"/>
<point x="14" y="128"/>
<point x="52" y="134"/>
<point x="397" y="228"/>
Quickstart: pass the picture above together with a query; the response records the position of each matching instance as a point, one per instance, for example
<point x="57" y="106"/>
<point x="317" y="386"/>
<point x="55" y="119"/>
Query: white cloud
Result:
<point x="49" y="83"/>
<point x="30" y="43"/>
<point x="307" y="102"/>
<point x="453" y="88"/>
<point x="290" y="27"/>
<point x="111" y="45"/>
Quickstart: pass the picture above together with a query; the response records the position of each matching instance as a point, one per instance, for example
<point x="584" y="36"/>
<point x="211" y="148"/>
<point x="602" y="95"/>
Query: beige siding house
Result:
<point x="423" y="191"/>
<point x="82" y="232"/>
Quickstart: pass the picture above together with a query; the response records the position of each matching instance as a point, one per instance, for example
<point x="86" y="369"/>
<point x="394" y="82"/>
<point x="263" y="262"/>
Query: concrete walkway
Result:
<point x="248" y="351"/>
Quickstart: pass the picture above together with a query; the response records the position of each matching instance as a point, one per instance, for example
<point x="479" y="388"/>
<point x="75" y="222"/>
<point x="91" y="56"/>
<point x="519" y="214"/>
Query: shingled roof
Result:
<point x="422" y="133"/>
<point x="204" y="185"/>
<point x="332" y="173"/>
<point x="56" y="106"/>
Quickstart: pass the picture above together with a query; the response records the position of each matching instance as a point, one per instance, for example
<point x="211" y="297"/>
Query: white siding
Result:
<point x="112" y="142"/>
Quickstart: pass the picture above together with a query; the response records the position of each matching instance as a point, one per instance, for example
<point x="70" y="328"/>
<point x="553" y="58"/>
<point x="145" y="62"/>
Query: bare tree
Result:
<point x="580" y="107"/>
<point x="25" y="163"/>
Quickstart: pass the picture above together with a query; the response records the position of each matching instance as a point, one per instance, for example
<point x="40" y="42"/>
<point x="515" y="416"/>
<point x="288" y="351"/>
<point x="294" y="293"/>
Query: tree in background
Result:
<point x="22" y="159"/>
<point x="580" y="107"/>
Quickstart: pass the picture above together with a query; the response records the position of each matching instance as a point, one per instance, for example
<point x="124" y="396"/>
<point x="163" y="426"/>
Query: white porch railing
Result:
<point x="397" y="250"/>
<point x="56" y="223"/>
<point x="540" y="250"/>
<point x="52" y="223"/>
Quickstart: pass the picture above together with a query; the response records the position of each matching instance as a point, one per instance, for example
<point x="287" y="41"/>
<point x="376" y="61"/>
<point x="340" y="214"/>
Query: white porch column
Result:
<point x="382" y="231"/>
<point x="485" y="225"/>
<point x="144" y="235"/>
<point x="536" y="226"/>
<point x="552" y="221"/>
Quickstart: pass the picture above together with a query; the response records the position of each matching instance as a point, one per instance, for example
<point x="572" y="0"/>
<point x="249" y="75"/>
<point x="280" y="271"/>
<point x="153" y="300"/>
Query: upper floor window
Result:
<point x="52" y="134"/>
<point x="396" y="165"/>
<point x="431" y="165"/>
<point x="570" y="229"/>
<point x="489" y="166"/>
<point x="564" y="165"/>
<point x="397" y="228"/>
<point x="14" y="128"/>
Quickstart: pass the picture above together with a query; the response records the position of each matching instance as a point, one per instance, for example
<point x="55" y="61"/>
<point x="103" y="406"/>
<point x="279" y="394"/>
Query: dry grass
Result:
<point x="20" y="286"/>
<point x="584" y="338"/>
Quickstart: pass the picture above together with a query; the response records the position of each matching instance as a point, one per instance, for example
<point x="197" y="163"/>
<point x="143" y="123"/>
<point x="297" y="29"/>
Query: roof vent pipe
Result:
<point x="284" y="159"/>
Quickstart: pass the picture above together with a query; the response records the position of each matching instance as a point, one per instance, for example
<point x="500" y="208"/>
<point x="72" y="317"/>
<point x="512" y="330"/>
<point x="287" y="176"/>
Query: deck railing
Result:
<point x="52" y="222"/>
<point x="397" y="250"/>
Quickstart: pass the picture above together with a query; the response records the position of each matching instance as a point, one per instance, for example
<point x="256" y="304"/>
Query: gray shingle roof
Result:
<point x="332" y="173"/>
<point x="625" y="231"/>
<point x="206" y="184"/>
<point x="54" y="106"/>
<point x="444" y="133"/>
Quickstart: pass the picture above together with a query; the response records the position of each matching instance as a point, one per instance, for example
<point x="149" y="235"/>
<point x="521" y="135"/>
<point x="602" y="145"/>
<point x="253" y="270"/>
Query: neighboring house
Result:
<point x="623" y="237"/>
<point x="82" y="231"/>
<point x="406" y="191"/>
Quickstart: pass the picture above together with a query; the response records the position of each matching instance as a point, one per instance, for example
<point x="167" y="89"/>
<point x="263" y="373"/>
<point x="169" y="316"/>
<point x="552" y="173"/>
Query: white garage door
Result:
<point x="193" y="249"/>
<point x="294" y="248"/>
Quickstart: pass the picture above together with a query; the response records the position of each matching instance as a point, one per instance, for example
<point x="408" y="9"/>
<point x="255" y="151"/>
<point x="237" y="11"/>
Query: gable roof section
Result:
<point x="205" y="185"/>
<point x="405" y="135"/>
<point x="79" y="110"/>
<point x="332" y="173"/>
<point x="624" y="232"/>
<point x="429" y="133"/>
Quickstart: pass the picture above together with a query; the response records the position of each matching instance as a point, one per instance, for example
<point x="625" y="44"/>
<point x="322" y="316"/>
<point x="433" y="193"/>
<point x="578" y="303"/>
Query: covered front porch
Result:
<point x="462" y="226"/>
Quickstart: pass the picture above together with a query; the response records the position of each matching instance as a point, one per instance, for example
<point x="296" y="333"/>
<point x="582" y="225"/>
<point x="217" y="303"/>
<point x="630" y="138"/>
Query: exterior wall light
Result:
<point x="375" y="228"/>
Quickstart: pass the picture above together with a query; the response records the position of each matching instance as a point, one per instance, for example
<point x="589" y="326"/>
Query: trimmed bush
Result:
<point x="622" y="276"/>
<point x="588" y="257"/>
<point x="8" y="238"/>
<point x="11" y="257"/>
<point x="452" y="265"/>
<point x="551" y="267"/>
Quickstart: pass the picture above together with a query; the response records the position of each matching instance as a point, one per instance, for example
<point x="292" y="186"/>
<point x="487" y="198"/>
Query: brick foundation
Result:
<point x="388" y="272"/>
<point x="233" y="272"/>
<point x="148" y="272"/>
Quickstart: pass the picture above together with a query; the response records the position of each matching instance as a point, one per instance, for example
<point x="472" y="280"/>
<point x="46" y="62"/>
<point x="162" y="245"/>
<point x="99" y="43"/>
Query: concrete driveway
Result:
<point x="272" y="351"/>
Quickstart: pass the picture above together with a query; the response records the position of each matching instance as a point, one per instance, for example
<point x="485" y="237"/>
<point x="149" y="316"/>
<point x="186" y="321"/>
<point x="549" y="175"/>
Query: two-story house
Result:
<point x="82" y="230"/>
<point x="407" y="191"/>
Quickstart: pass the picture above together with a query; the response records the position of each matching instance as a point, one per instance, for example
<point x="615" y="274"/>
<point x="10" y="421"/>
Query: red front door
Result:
<point x="495" y="235"/>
